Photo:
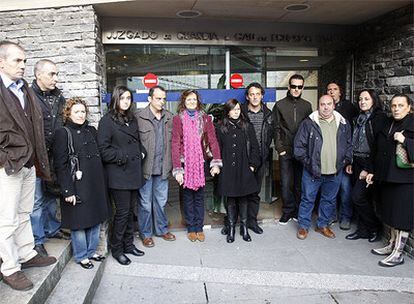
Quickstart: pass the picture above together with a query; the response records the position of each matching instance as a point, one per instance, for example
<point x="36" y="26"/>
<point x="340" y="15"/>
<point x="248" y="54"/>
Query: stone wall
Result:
<point x="384" y="60"/>
<point x="384" y="56"/>
<point x="70" y="37"/>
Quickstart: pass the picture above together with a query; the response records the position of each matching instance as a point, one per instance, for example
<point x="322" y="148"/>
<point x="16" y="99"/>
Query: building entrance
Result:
<point x="208" y="68"/>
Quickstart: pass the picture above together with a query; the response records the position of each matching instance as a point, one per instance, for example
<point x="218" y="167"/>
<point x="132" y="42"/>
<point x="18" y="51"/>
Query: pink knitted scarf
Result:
<point x="193" y="154"/>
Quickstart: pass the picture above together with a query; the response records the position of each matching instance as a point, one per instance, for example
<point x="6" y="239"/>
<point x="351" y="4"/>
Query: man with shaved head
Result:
<point x="323" y="145"/>
<point x="22" y="155"/>
<point x="51" y="101"/>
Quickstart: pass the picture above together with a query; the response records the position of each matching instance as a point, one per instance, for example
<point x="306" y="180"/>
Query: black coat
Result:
<point x="288" y="113"/>
<point x="239" y="150"/>
<point x="121" y="152"/>
<point x="385" y="167"/>
<point x="347" y="109"/>
<point x="52" y="103"/>
<point x="91" y="187"/>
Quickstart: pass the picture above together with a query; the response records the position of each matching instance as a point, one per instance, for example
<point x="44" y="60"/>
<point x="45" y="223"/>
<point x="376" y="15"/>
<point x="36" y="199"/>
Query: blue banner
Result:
<point x="207" y="96"/>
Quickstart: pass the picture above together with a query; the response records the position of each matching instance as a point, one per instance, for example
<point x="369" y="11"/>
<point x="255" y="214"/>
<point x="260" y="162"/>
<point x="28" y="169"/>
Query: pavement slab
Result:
<point x="275" y="267"/>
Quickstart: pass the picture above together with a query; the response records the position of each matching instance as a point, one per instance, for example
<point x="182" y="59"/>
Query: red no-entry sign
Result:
<point x="150" y="80"/>
<point x="236" y="81"/>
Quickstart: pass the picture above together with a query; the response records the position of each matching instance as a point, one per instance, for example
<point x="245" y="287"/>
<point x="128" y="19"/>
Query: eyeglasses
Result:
<point x="293" y="87"/>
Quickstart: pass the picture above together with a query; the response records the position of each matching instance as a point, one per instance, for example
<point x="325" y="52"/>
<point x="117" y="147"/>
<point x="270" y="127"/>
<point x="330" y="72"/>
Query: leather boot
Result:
<point x="396" y="257"/>
<point x="243" y="221"/>
<point x="232" y="218"/>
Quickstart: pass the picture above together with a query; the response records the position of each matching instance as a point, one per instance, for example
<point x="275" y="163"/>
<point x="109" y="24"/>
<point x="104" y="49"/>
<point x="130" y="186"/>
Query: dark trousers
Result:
<point x="362" y="198"/>
<point x="122" y="239"/>
<point x="193" y="201"/>
<point x="290" y="178"/>
<point x="253" y="200"/>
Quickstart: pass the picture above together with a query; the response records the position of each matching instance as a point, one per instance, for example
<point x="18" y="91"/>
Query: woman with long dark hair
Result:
<point x="240" y="152"/>
<point x="83" y="209"/>
<point x="367" y="124"/>
<point x="122" y="153"/>
<point x="193" y="139"/>
<point x="393" y="180"/>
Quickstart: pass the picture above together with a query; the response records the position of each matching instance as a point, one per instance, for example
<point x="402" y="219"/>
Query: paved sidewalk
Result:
<point x="275" y="267"/>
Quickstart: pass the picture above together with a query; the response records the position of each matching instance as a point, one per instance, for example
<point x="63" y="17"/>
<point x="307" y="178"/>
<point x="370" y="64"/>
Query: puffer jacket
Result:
<point x="308" y="143"/>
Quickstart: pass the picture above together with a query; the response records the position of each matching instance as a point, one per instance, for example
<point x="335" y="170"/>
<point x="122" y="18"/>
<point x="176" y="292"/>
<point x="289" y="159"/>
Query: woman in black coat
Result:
<point x="367" y="124"/>
<point x="395" y="184"/>
<point x="82" y="209"/>
<point x="122" y="153"/>
<point x="240" y="153"/>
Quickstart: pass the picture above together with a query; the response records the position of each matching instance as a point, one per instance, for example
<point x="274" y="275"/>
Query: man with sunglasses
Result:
<point x="288" y="113"/>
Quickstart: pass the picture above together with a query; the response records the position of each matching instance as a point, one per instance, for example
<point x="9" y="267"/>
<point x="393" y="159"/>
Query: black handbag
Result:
<point x="75" y="172"/>
<point x="52" y="187"/>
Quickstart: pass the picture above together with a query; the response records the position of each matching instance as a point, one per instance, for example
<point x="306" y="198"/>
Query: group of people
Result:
<point x="48" y="150"/>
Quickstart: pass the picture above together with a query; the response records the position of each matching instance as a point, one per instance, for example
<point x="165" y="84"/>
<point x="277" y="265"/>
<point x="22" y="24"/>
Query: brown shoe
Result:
<point x="192" y="236"/>
<point x="201" y="236"/>
<point x="18" y="281"/>
<point x="148" y="242"/>
<point x="326" y="232"/>
<point x="302" y="233"/>
<point x="168" y="236"/>
<point x="39" y="261"/>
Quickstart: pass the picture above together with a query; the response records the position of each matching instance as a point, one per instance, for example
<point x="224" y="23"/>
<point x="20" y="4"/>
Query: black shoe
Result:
<point x="230" y="235"/>
<point x="98" y="258"/>
<point x="135" y="252"/>
<point x="61" y="236"/>
<point x="284" y="219"/>
<point x="374" y="237"/>
<point x="40" y="249"/>
<point x="88" y="265"/>
<point x="244" y="232"/>
<point x="123" y="259"/>
<point x="224" y="230"/>
<point x="356" y="236"/>
<point x="256" y="229"/>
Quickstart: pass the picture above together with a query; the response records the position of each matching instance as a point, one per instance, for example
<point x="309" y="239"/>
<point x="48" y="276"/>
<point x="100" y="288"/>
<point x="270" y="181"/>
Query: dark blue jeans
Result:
<point x="43" y="218"/>
<point x="193" y="201"/>
<point x="344" y="196"/>
<point x="329" y="186"/>
<point x="290" y="178"/>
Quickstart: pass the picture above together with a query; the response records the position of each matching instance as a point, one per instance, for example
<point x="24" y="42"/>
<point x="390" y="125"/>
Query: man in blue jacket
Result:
<point x="323" y="145"/>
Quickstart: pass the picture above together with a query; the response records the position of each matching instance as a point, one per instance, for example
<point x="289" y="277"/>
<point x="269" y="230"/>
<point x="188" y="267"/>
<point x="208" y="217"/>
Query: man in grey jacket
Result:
<point x="155" y="127"/>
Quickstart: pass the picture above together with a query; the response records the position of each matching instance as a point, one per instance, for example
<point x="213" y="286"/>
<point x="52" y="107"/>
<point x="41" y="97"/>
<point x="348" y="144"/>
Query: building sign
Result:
<point x="236" y="81"/>
<point x="219" y="32"/>
<point x="150" y="80"/>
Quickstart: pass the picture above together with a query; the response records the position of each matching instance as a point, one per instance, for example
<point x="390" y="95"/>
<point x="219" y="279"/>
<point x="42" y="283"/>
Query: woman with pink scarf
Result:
<point x="193" y="134"/>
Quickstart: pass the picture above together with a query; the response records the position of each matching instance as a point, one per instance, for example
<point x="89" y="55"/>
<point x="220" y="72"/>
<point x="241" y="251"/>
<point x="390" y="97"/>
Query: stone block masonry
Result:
<point x="69" y="36"/>
<point x="384" y="54"/>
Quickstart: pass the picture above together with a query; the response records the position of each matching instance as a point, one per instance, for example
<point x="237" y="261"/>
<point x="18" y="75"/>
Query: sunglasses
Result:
<point x="293" y="87"/>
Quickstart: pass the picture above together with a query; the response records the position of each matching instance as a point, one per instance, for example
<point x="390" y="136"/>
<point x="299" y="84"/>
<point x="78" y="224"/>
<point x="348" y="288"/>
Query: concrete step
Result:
<point x="77" y="285"/>
<point x="44" y="278"/>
